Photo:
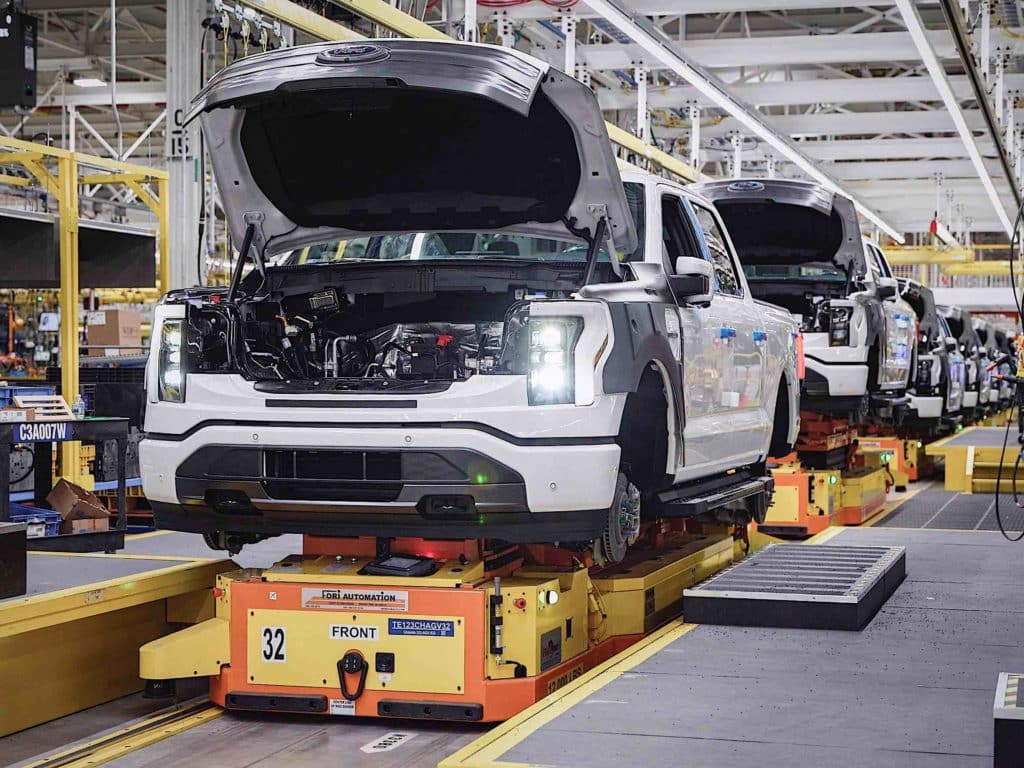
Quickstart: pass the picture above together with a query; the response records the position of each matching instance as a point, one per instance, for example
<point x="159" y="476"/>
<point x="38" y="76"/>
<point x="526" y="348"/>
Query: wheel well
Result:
<point x="644" y="436"/>
<point x="780" y="445"/>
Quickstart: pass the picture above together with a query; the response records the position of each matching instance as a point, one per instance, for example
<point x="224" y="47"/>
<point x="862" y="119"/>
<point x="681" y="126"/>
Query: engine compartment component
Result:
<point x="366" y="341"/>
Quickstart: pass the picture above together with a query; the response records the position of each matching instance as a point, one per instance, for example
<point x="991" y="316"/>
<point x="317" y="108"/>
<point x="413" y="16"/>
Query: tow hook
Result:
<point x="352" y="663"/>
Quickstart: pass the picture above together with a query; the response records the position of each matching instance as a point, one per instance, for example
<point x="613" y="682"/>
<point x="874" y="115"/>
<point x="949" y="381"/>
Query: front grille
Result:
<point x="331" y="490"/>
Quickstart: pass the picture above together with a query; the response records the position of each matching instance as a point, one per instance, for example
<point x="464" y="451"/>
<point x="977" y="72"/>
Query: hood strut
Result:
<point x="236" y="276"/>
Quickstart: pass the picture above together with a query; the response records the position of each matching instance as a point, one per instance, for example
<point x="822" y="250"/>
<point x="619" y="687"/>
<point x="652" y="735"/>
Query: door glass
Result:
<point x="675" y="234"/>
<point x="726" y="280"/>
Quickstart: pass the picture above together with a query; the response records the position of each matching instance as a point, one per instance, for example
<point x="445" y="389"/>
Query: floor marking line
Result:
<point x="891" y="507"/>
<point x="949" y="501"/>
<point x="86" y="749"/>
<point x="146" y="535"/>
<point x="987" y="512"/>
<point x="485" y="751"/>
<point x="125" y="556"/>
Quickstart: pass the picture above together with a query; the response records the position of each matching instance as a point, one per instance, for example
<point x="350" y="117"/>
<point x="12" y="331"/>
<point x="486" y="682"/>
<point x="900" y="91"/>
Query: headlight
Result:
<point x="924" y="374"/>
<point x="839" y="326"/>
<point x="170" y="371"/>
<point x="551" y="376"/>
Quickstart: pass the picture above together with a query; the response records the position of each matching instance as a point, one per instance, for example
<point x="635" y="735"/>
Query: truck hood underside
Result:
<point x="326" y="141"/>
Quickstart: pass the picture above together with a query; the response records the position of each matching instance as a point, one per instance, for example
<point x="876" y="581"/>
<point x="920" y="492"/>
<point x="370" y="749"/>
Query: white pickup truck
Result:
<point x="433" y="341"/>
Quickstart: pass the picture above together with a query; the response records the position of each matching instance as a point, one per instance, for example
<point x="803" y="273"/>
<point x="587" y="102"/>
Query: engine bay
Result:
<point x="362" y="341"/>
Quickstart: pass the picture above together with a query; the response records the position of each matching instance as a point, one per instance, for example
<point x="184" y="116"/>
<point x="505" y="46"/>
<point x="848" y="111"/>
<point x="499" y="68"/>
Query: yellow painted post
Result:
<point x="163" y="216"/>
<point x="67" y="181"/>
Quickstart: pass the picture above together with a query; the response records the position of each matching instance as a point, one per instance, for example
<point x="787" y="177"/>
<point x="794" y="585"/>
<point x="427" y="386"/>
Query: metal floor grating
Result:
<point x="936" y="508"/>
<point x="797" y="585"/>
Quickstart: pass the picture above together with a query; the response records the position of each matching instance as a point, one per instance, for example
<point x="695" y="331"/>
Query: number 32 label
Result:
<point x="273" y="644"/>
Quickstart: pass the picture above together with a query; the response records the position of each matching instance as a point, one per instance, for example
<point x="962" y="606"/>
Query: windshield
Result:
<point x="431" y="246"/>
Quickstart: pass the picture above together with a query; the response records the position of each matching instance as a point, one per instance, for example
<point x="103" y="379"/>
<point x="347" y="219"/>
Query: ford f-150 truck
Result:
<point x="440" y="340"/>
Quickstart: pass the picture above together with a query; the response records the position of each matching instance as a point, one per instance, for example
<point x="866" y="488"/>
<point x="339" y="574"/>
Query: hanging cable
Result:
<point x="1018" y="395"/>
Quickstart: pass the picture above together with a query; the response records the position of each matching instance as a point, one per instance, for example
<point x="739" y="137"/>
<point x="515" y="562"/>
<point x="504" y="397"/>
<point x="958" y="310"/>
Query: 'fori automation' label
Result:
<point x="386" y="600"/>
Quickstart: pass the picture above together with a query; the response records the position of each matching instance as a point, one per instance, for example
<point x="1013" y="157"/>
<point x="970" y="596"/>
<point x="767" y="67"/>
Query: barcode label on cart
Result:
<point x="342" y="707"/>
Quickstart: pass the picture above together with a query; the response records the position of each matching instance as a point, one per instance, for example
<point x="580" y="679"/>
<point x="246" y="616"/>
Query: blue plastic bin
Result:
<point x="7" y="394"/>
<point x="35" y="516"/>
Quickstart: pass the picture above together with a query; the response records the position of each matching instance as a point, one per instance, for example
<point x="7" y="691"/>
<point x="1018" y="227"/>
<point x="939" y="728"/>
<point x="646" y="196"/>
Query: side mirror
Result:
<point x="887" y="291"/>
<point x="692" y="282"/>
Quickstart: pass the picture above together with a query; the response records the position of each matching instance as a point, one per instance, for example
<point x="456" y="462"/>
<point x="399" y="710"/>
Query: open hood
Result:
<point x="322" y="142"/>
<point x="784" y="222"/>
<point x="921" y="298"/>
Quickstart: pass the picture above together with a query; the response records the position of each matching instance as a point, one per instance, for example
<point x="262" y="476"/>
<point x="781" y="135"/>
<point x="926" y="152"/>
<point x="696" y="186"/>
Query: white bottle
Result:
<point x="78" y="407"/>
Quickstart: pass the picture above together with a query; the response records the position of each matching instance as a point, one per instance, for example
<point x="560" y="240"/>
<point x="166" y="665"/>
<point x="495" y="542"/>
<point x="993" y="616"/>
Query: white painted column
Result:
<point x="469" y="23"/>
<point x="643" y="126"/>
<point x="985" y="12"/>
<point x="568" y="25"/>
<point x="770" y="166"/>
<point x="737" y="155"/>
<point x="694" y="110"/>
<point x="184" y="35"/>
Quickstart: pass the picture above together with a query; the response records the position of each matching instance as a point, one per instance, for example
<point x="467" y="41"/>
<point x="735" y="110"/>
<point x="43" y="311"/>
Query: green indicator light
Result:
<point x="480" y="478"/>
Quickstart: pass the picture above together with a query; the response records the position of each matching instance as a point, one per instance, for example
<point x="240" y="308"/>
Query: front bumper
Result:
<point x="926" y="407"/>
<point x="397" y="481"/>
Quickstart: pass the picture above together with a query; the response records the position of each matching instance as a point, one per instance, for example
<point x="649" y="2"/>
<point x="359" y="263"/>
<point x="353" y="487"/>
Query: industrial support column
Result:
<point x="184" y="160"/>
<point x="67" y="181"/>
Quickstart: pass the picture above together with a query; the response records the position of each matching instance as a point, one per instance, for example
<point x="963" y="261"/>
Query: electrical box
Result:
<point x="18" y="51"/>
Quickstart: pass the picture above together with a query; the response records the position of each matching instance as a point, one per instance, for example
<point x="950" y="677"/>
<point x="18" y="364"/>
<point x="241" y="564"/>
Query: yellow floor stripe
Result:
<point x="130" y="739"/>
<point x="485" y="751"/>
<point x="122" y="556"/>
<point x="147" y="535"/>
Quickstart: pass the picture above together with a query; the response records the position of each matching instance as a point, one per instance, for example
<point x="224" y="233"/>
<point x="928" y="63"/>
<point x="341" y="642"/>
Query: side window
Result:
<point x="726" y="280"/>
<point x="675" y="231"/>
<point x="637" y="211"/>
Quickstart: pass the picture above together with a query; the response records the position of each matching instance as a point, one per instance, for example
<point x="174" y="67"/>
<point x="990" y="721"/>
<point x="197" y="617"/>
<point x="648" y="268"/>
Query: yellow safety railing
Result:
<point x="60" y="173"/>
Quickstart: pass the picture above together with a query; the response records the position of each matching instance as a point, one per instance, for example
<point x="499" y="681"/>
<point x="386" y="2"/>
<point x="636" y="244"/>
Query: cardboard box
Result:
<point x="75" y="505"/>
<point x="107" y="330"/>
<point x="10" y="414"/>
<point x="89" y="525"/>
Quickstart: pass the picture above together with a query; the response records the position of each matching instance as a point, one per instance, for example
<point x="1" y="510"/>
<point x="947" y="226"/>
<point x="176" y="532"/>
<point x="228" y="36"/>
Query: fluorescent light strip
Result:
<point x="655" y="44"/>
<point x="938" y="73"/>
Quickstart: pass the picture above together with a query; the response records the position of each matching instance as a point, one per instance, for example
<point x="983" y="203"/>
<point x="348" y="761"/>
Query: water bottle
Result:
<point x="78" y="407"/>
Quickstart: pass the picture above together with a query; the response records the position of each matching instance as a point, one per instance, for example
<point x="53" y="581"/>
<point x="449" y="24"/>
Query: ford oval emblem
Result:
<point x="746" y="186"/>
<point x="353" y="53"/>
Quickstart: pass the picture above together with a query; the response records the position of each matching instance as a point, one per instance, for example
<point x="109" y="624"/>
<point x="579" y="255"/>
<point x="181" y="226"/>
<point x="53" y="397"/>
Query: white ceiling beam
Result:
<point x="850" y="123"/>
<point x="951" y="170"/>
<point x="683" y="7"/>
<point x="865" y="149"/>
<point x="780" y="50"/>
<point x="834" y="90"/>
<point x="660" y="50"/>
<point x="127" y="93"/>
<point x="915" y="27"/>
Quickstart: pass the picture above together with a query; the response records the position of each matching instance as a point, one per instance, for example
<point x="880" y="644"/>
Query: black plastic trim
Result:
<point x="341" y="403"/>
<point x="472" y="425"/>
<point x="431" y="710"/>
<point x="282" y="702"/>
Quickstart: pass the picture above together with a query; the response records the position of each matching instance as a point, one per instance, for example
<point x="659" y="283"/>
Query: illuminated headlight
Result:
<point x="170" y="371"/>
<point x="552" y="341"/>
<point x="924" y="373"/>
<point x="839" y="327"/>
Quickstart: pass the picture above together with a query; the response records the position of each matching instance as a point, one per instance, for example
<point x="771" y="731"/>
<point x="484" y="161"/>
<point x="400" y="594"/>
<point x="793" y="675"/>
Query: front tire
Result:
<point x="622" y="528"/>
